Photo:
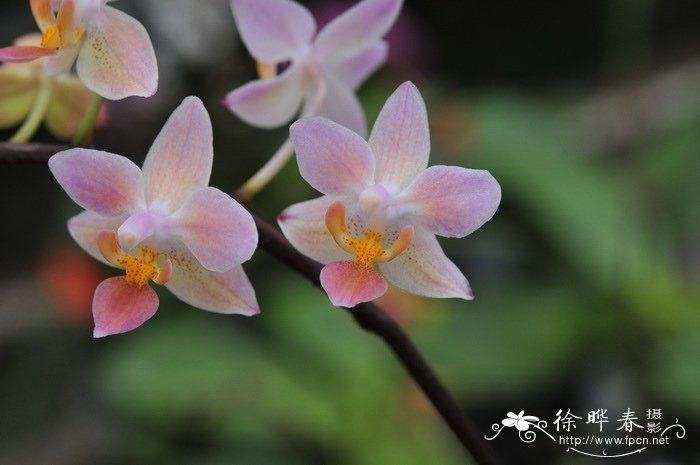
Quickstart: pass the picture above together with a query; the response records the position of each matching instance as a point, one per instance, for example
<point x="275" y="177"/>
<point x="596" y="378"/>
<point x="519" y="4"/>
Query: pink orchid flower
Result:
<point x="382" y="206"/>
<point x="115" y="57"/>
<point x="161" y="224"/>
<point x="322" y="71"/>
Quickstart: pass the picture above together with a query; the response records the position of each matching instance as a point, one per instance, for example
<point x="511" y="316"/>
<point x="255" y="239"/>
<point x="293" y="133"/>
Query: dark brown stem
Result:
<point x="373" y="319"/>
<point x="368" y="315"/>
<point x="28" y="154"/>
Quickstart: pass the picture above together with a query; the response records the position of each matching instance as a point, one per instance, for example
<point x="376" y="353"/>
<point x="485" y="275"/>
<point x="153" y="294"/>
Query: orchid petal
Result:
<point x="273" y="30"/>
<point x="42" y="11"/>
<point x="400" y="138"/>
<point x="342" y="106"/>
<point x="353" y="71"/>
<point x="180" y="159"/>
<point x="103" y="182"/>
<point x="304" y="225"/>
<point x="349" y="283"/>
<point x="423" y="269"/>
<point x="332" y="158"/>
<point x="119" y="307"/>
<point x="23" y="54"/>
<point x="69" y="102"/>
<point x="218" y="231"/>
<point x="117" y="58"/>
<point x="85" y="227"/>
<point x="62" y="61"/>
<point x="452" y="201"/>
<point x="17" y="93"/>
<point x="87" y="9"/>
<point x="357" y="28"/>
<point x="228" y="292"/>
<point x="509" y="422"/>
<point x="267" y="103"/>
<point x="65" y="21"/>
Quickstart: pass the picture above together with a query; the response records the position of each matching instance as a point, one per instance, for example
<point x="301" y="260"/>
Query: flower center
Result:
<point x="51" y="38"/>
<point x="138" y="269"/>
<point x="58" y="30"/>
<point x="368" y="249"/>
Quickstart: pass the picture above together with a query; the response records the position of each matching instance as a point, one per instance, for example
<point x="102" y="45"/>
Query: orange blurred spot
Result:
<point x="69" y="277"/>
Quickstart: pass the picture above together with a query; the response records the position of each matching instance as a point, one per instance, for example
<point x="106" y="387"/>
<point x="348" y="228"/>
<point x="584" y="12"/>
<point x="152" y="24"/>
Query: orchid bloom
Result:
<point x="22" y="86"/>
<point x="382" y="206"/>
<point x="296" y="66"/>
<point x="520" y="421"/>
<point x="161" y="224"/>
<point x="115" y="57"/>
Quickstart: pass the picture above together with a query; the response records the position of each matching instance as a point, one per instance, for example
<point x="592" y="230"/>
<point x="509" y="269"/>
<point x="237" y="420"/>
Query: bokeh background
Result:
<point x="587" y="278"/>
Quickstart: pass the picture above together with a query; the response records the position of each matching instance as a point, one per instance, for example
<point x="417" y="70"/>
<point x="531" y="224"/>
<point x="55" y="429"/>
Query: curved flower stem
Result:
<point x="368" y="316"/>
<point x="269" y="170"/>
<point x="275" y="164"/>
<point x="36" y="114"/>
<point x="373" y="319"/>
<point x="87" y="125"/>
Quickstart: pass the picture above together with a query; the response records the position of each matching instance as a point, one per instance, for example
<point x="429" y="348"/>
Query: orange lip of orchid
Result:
<point x="138" y="269"/>
<point x="368" y="249"/>
<point x="58" y="30"/>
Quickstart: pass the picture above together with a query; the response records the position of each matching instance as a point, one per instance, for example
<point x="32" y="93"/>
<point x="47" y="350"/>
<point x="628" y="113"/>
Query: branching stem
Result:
<point x="280" y="158"/>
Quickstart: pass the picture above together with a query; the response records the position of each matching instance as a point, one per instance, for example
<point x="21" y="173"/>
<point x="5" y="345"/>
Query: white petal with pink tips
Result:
<point x="353" y="71"/>
<point x="342" y="106"/>
<point x="209" y="223"/>
<point x="180" y="159"/>
<point x="400" y="138"/>
<point x="229" y="292"/>
<point x="342" y="39"/>
<point x="268" y="103"/>
<point x="273" y="30"/>
<point x="117" y="59"/>
<point x="304" y="225"/>
<point x="336" y="160"/>
<point x="452" y="201"/>
<point x="423" y="269"/>
<point x="99" y="181"/>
